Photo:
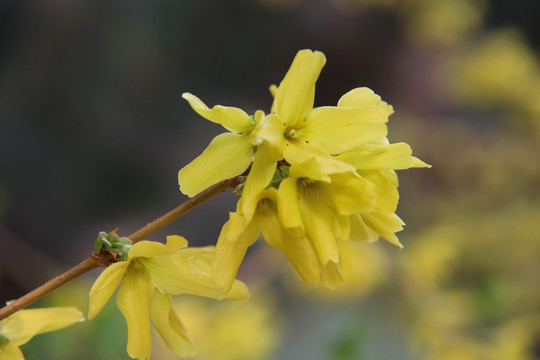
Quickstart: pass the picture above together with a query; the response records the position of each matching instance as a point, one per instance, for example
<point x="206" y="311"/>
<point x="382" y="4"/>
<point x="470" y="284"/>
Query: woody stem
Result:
<point x="104" y="259"/>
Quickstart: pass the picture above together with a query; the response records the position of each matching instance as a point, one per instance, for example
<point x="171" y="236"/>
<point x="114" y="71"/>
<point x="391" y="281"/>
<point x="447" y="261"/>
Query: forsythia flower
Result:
<point x="152" y="273"/>
<point x="319" y="175"/>
<point x="19" y="328"/>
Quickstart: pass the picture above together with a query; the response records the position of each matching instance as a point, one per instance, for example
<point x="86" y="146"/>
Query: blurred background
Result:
<point x="93" y="132"/>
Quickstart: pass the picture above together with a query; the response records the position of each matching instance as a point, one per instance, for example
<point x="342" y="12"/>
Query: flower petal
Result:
<point x="260" y="175"/>
<point x="350" y="193"/>
<point x="169" y="326"/>
<point x="295" y="95"/>
<point x="335" y="130"/>
<point x="288" y="209"/>
<point x="393" y="156"/>
<point x="385" y="224"/>
<point x="226" y="156"/>
<point x="231" y="251"/>
<point x="133" y="300"/>
<point x="20" y="327"/>
<point x="270" y="129"/>
<point x="319" y="220"/>
<point x="175" y="274"/>
<point x="231" y="118"/>
<point x="332" y="275"/>
<point x="9" y="351"/>
<point x="385" y="190"/>
<point x="153" y="248"/>
<point x="104" y="286"/>
<point x="297" y="249"/>
<point x="364" y="96"/>
<point x="313" y="164"/>
<point x="360" y="231"/>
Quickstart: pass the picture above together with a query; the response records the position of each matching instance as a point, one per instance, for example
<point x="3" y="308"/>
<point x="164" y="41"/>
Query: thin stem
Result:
<point x="105" y="258"/>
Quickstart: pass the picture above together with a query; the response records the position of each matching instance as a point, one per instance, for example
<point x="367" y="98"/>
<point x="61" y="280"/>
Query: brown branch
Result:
<point x="105" y="258"/>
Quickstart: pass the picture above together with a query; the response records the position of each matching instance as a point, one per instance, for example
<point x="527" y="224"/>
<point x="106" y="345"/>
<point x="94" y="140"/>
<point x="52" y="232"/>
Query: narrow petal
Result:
<point x="104" y="286"/>
<point x="311" y="163"/>
<point x="260" y="175"/>
<point x="318" y="219"/>
<point x="385" y="224"/>
<point x="350" y="193"/>
<point x="288" y="208"/>
<point x="133" y="300"/>
<point x="270" y="129"/>
<point x="295" y="95"/>
<point x="360" y="231"/>
<point x="175" y="275"/>
<point x="239" y="292"/>
<point x="419" y="163"/>
<point x="335" y="130"/>
<point x="385" y="188"/>
<point x="232" y="119"/>
<point x="153" y="248"/>
<point x="364" y="96"/>
<point x="226" y="156"/>
<point x="297" y="249"/>
<point x="169" y="326"/>
<point x="230" y="253"/>
<point x="332" y="275"/>
<point x="20" y="327"/>
<point x="394" y="156"/>
<point x="9" y="351"/>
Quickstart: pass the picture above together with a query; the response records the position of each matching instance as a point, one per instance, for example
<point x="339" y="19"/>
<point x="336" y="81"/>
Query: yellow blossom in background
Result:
<point x="149" y="277"/>
<point x="19" y="328"/>
<point x="231" y="330"/>
<point x="444" y="21"/>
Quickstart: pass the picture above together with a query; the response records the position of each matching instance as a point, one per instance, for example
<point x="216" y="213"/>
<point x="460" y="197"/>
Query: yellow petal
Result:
<point x="226" y="156"/>
<point x="169" y="326"/>
<point x="104" y="286"/>
<point x="385" y="224"/>
<point x="313" y="164"/>
<point x="288" y="209"/>
<point x="270" y="129"/>
<point x="394" y="156"/>
<point x="360" y="231"/>
<point x="363" y="96"/>
<point x="419" y="163"/>
<point x="239" y="291"/>
<point x="319" y="220"/>
<point x="230" y="118"/>
<point x="335" y="130"/>
<point x="133" y="300"/>
<point x="350" y="193"/>
<point x="20" y="327"/>
<point x="332" y="275"/>
<point x="175" y="275"/>
<point x="260" y="175"/>
<point x="231" y="252"/>
<point x="385" y="189"/>
<point x="9" y="351"/>
<point x="297" y="249"/>
<point x="153" y="248"/>
<point x="295" y="94"/>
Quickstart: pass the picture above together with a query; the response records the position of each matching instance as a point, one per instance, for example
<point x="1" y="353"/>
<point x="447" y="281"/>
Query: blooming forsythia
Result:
<point x="152" y="273"/>
<point x="318" y="175"/>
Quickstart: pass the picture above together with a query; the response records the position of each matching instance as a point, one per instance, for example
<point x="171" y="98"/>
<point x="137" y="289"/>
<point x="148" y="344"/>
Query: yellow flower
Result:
<point x="294" y="131"/>
<point x="298" y="132"/>
<point x="19" y="328"/>
<point x="149" y="277"/>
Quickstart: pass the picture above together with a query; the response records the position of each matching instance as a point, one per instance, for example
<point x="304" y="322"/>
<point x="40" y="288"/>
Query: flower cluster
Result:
<point x="317" y="176"/>
<point x="150" y="275"/>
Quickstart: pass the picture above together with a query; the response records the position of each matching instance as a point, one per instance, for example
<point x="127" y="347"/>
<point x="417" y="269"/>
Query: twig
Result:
<point x="105" y="259"/>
